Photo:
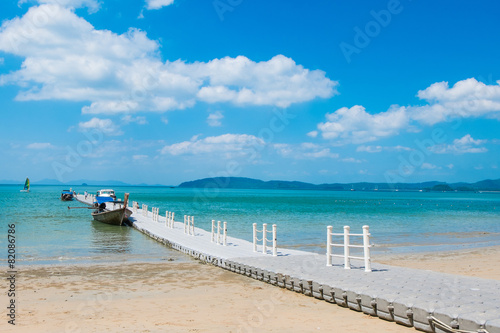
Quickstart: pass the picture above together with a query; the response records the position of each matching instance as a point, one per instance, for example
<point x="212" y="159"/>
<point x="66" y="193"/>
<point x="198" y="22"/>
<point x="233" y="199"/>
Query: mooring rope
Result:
<point x="450" y="329"/>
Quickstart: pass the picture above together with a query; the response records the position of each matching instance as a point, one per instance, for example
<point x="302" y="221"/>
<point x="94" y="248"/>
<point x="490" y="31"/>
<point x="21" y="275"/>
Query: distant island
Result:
<point x="249" y="183"/>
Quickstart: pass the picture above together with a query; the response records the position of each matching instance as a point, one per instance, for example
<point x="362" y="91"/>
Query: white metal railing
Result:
<point x="347" y="246"/>
<point x="135" y="206"/>
<point x="156" y="214"/>
<point x="217" y="233"/>
<point x="169" y="219"/>
<point x="144" y="210"/>
<point x="189" y="225"/>
<point x="264" y="239"/>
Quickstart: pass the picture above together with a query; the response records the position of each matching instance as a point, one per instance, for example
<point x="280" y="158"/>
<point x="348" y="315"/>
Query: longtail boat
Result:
<point x="107" y="212"/>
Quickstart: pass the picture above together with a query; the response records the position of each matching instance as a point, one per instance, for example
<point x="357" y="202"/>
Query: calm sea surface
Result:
<point x="47" y="232"/>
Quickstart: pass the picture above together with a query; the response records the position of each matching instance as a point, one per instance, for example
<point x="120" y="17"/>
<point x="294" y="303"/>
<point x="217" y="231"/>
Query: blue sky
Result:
<point x="162" y="91"/>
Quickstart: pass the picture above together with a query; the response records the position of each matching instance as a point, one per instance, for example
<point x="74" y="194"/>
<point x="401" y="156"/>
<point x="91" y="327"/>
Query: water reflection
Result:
<point x="107" y="238"/>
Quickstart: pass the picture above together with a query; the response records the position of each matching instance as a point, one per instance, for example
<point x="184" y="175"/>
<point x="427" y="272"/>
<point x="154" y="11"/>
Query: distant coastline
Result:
<point x="487" y="185"/>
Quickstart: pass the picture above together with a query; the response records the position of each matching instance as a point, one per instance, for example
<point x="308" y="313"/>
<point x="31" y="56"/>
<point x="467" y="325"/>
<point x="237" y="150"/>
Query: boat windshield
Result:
<point x="106" y="193"/>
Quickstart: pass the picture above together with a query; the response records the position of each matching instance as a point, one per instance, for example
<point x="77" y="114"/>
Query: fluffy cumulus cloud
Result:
<point x="357" y="126"/>
<point x="466" y="99"/>
<point x="106" y="126"/>
<point x="464" y="145"/>
<point x="66" y="58"/>
<point x="229" y="145"/>
<point x="157" y="4"/>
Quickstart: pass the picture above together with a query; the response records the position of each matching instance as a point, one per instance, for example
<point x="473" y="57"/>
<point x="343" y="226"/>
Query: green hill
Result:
<point x="249" y="183"/>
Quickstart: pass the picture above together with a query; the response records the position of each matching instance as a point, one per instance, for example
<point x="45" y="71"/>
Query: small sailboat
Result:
<point x="26" y="185"/>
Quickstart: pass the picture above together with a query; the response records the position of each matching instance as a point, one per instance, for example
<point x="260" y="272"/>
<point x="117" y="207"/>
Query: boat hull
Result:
<point x="66" y="197"/>
<point x="114" y="217"/>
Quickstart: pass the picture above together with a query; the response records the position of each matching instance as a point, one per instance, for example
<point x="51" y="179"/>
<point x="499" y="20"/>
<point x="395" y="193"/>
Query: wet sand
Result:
<point x="196" y="297"/>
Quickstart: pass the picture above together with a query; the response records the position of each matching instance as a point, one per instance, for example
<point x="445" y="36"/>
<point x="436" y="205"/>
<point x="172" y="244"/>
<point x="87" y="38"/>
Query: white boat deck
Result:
<point x="428" y="301"/>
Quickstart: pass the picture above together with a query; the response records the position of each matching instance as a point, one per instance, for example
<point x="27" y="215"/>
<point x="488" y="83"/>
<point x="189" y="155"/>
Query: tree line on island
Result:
<point x="249" y="183"/>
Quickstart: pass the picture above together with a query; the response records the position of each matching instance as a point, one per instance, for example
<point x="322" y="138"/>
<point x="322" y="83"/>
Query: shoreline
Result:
<point x="416" y="260"/>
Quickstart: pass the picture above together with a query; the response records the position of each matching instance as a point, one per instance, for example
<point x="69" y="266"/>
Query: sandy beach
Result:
<point x="481" y="262"/>
<point x="196" y="297"/>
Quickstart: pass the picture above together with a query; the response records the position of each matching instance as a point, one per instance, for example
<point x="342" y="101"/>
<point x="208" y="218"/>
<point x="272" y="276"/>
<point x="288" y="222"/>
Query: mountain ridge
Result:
<point x="250" y="183"/>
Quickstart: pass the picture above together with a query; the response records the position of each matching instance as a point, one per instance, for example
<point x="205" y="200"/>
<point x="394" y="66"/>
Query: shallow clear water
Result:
<point x="399" y="221"/>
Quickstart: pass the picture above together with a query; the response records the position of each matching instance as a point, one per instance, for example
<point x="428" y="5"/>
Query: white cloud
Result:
<point x="66" y="58"/>
<point x="355" y="125"/>
<point x="40" y="145"/>
<point x="214" y="119"/>
<point x="157" y="4"/>
<point x="351" y="160"/>
<point x="378" y="149"/>
<point x="466" y="99"/>
<point x="2" y="61"/>
<point x="139" y="157"/>
<point x="279" y="82"/>
<point x="164" y="120"/>
<point x="466" y="144"/>
<point x="428" y="166"/>
<point x="106" y="126"/>
<point x="92" y="5"/>
<point x="139" y="120"/>
<point x="230" y="145"/>
<point x="304" y="150"/>
<point x="313" y="134"/>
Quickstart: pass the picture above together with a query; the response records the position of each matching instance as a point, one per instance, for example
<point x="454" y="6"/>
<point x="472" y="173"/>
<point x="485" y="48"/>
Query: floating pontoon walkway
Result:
<point x="428" y="301"/>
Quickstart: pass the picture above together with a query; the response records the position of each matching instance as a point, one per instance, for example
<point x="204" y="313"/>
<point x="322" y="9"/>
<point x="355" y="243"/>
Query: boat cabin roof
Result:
<point x="106" y="192"/>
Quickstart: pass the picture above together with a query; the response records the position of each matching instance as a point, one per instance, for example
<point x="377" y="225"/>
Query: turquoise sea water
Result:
<point x="47" y="232"/>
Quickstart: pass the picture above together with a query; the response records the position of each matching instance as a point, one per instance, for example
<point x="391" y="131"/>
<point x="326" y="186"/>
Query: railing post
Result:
<point x="192" y="225"/>
<point x="185" y="219"/>
<point x="172" y="219"/>
<point x="347" y="260"/>
<point x="254" y="237"/>
<point x="264" y="235"/>
<point x="218" y="232"/>
<point x="213" y="225"/>
<point x="225" y="234"/>
<point x="366" y="248"/>
<point x="329" y="230"/>
<point x="275" y="241"/>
